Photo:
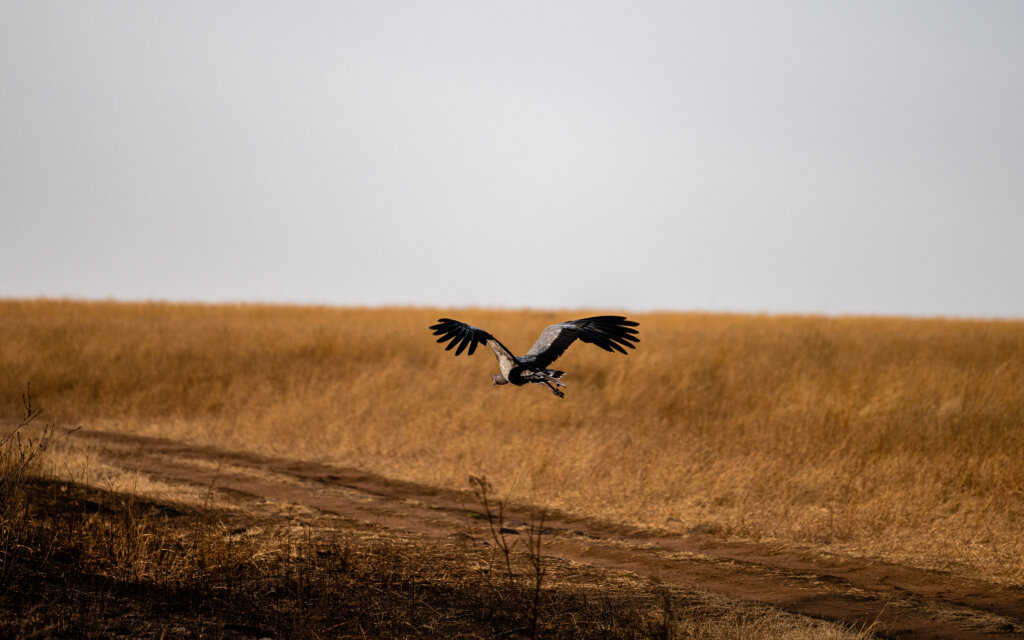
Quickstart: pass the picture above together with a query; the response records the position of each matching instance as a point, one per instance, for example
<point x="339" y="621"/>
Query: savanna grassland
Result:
<point x="895" y="438"/>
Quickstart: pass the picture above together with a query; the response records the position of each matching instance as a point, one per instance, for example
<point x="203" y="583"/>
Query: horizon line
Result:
<point x="510" y="308"/>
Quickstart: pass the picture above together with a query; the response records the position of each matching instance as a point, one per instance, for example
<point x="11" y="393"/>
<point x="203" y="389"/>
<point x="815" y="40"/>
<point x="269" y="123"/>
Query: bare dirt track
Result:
<point x="902" y="602"/>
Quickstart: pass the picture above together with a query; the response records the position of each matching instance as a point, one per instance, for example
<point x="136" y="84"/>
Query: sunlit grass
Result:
<point x="900" y="438"/>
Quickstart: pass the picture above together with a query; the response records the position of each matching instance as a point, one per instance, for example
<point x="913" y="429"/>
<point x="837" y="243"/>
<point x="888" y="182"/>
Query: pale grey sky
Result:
<point x="823" y="157"/>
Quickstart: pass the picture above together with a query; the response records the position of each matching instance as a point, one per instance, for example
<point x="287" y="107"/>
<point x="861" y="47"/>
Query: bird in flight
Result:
<point x="611" y="333"/>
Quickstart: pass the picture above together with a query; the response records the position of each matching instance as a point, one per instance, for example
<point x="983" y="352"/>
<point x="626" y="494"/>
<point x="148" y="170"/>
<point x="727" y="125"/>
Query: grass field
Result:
<point x="895" y="438"/>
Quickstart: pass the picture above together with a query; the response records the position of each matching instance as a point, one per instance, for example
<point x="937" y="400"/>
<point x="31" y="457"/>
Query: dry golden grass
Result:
<point x="898" y="438"/>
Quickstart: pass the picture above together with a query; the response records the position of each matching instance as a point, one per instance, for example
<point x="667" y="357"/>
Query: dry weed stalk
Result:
<point x="534" y="543"/>
<point x="17" y="453"/>
<point x="495" y="511"/>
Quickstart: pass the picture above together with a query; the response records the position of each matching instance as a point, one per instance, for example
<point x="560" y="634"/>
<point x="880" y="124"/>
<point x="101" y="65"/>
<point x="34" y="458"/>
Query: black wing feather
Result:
<point x="462" y="335"/>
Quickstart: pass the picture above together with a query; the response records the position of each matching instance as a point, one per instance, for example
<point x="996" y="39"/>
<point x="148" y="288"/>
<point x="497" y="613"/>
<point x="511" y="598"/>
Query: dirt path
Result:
<point x="903" y="601"/>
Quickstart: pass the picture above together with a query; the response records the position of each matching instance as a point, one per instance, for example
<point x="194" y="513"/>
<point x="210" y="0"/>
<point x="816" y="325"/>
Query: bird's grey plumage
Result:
<point x="611" y="333"/>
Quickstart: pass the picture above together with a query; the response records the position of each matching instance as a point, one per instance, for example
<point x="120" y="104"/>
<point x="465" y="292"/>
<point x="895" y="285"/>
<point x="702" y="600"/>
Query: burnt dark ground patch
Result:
<point x="85" y="562"/>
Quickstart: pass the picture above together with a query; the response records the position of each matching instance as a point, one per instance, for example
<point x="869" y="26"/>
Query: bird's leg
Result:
<point x="555" y="391"/>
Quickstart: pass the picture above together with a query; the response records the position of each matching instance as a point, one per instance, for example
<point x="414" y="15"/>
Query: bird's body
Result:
<point x="611" y="333"/>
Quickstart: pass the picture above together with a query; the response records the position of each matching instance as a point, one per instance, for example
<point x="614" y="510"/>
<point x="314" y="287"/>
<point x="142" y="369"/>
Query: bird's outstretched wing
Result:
<point x="611" y="333"/>
<point x="463" y="335"/>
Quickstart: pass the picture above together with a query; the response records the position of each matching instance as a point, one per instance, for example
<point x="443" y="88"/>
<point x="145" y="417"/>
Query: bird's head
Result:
<point x="499" y="379"/>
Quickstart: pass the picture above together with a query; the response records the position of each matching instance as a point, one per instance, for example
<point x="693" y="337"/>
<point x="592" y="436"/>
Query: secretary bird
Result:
<point x="611" y="333"/>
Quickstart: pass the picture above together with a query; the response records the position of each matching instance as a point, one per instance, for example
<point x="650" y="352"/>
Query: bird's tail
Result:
<point x="541" y="376"/>
<point x="554" y="375"/>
